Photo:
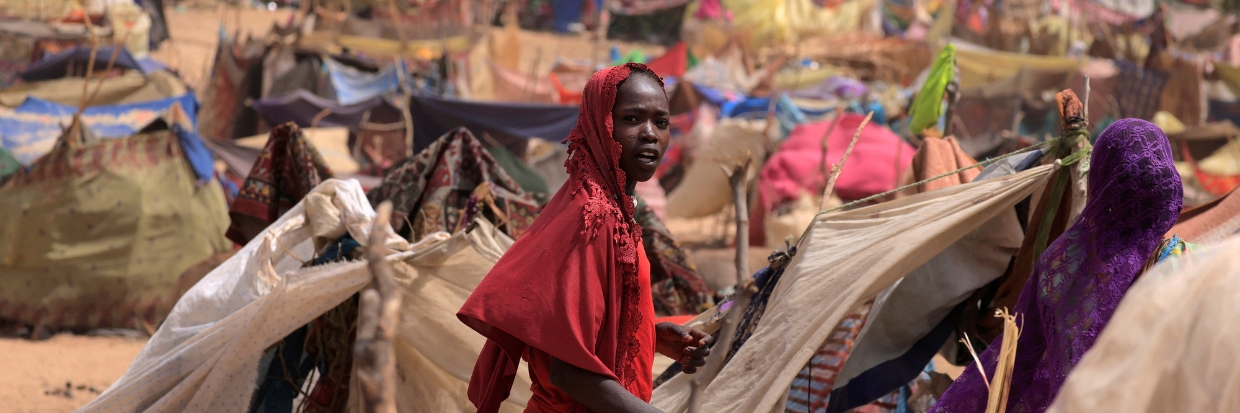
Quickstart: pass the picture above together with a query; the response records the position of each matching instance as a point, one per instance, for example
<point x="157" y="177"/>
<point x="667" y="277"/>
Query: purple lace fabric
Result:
<point x="1135" y="196"/>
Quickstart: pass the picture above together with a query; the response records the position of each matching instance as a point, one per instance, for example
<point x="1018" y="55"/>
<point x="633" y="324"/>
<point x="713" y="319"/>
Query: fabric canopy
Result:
<point x="207" y="353"/>
<point x="32" y="129"/>
<point x="354" y="86"/>
<point x="96" y="235"/>
<point x="845" y="259"/>
<point x="302" y="108"/>
<point x="509" y="123"/>
<point x="59" y="65"/>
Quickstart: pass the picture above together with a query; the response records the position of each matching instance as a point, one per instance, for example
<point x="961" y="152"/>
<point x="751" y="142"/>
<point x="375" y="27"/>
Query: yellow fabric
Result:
<point x="778" y="21"/>
<point x="1170" y="346"/>
<point x="1224" y="161"/>
<point x="1230" y="75"/>
<point x="101" y="243"/>
<point x="980" y="68"/>
<point x="1168" y="123"/>
<point x="130" y="87"/>
<point x="846" y="259"/>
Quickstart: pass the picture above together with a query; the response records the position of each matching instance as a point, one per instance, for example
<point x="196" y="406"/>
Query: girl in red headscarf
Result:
<point x="572" y="296"/>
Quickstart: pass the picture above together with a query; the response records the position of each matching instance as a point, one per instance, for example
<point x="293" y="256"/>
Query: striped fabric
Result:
<point x="811" y="389"/>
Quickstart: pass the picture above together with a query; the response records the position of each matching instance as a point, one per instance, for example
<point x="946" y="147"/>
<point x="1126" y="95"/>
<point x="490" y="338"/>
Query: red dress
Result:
<point x="576" y="285"/>
<point x="547" y="398"/>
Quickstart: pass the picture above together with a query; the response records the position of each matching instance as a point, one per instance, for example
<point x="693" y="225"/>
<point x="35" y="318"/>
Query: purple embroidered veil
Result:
<point x="1135" y="195"/>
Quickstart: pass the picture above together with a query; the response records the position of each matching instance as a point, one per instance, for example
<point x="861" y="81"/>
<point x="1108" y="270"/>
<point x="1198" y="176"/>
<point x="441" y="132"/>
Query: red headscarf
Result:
<point x="569" y="285"/>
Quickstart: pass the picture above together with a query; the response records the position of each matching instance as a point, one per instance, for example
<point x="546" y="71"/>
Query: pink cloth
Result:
<point x="871" y="169"/>
<point x="655" y="197"/>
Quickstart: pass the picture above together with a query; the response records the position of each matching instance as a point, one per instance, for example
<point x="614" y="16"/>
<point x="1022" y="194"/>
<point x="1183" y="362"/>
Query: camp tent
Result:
<point x="844" y="260"/>
<point x="208" y="352"/>
<point x="96" y="233"/>
<point x="512" y="124"/>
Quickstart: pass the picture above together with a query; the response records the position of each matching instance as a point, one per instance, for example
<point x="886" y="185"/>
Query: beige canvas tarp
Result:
<point x="704" y="189"/>
<point x="205" y="357"/>
<point x="1171" y="345"/>
<point x="846" y="259"/>
<point x="131" y="87"/>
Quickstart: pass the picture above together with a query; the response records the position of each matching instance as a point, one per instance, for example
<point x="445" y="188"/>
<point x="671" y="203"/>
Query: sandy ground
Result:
<point x="62" y="373"/>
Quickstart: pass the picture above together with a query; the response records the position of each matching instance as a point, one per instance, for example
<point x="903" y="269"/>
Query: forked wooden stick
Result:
<point x="838" y="168"/>
<point x="738" y="178"/>
<point x="376" y="327"/>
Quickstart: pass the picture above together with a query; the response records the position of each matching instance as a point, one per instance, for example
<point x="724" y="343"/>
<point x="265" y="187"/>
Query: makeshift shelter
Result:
<point x="96" y="233"/>
<point x="511" y="124"/>
<point x="24" y="42"/>
<point x="236" y="75"/>
<point x="32" y="129"/>
<point x="76" y="61"/>
<point x="353" y="86"/>
<point x="207" y="354"/>
<point x="308" y="110"/>
<point x="130" y="87"/>
<point x="852" y="256"/>
<point x="439" y="189"/>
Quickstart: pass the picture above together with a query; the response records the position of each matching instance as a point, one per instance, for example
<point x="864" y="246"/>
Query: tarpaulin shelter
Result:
<point x="353" y="86"/>
<point x="512" y="124"/>
<point x="845" y="259"/>
<point x="32" y="130"/>
<point x="23" y="42"/>
<point x="75" y="61"/>
<point x="130" y="87"/>
<point x="96" y="233"/>
<point x="236" y="75"/>
<point x="207" y="354"/>
<point x="309" y="110"/>
<point x="240" y="159"/>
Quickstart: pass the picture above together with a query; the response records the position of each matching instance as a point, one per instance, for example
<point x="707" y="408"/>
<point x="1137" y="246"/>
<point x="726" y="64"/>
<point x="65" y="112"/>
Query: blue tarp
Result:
<point x="57" y="66"/>
<point x="565" y="13"/>
<point x="354" y="86"/>
<point x="509" y="123"/>
<point x="32" y="129"/>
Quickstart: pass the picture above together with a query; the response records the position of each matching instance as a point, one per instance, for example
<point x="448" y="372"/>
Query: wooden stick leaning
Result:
<point x="838" y="168"/>
<point x="379" y="311"/>
<point x="738" y="177"/>
<point x="839" y="114"/>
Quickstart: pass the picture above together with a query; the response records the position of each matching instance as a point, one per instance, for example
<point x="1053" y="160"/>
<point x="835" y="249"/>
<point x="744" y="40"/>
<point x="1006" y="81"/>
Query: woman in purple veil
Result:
<point x="1135" y="196"/>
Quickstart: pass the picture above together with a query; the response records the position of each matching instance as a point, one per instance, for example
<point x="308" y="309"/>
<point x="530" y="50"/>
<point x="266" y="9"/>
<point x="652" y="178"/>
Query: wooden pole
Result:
<point x="738" y="178"/>
<point x="838" y="168"/>
<point x="374" y="350"/>
<point x="839" y="114"/>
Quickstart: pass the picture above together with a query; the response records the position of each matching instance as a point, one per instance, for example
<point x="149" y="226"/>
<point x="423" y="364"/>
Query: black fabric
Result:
<point x="512" y="124"/>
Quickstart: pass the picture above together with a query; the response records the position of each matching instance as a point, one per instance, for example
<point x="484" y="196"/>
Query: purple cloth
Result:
<point x="57" y="66"/>
<point x="1135" y="196"/>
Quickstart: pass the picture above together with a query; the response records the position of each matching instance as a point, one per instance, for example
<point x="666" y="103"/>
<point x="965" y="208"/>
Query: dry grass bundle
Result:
<point x="1001" y="386"/>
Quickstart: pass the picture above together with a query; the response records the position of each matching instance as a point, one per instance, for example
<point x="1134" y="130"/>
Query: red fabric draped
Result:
<point x="571" y="285"/>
